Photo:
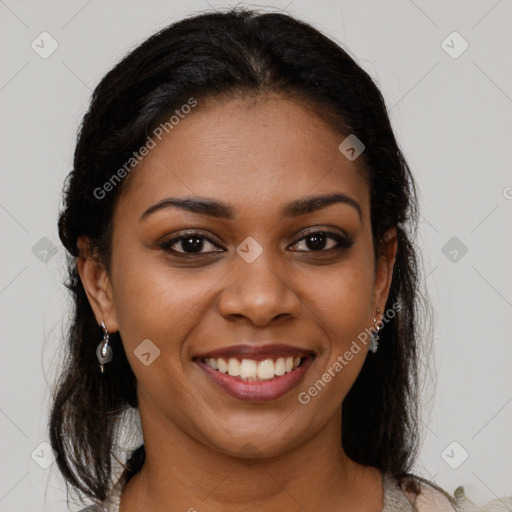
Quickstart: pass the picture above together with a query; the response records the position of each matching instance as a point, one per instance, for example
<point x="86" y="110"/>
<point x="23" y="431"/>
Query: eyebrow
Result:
<point x="222" y="210"/>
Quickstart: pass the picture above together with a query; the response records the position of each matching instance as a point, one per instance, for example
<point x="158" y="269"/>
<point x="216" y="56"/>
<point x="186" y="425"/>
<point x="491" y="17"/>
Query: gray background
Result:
<point x="452" y="117"/>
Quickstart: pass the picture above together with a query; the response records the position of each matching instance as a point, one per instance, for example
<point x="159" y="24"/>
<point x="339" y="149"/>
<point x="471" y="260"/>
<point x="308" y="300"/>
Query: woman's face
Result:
<point x="254" y="272"/>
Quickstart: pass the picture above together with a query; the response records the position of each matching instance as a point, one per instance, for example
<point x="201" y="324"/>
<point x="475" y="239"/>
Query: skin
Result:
<point x="205" y="449"/>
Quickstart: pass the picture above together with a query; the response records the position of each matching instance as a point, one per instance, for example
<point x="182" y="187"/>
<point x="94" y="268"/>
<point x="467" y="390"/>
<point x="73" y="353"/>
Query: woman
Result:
<point x="241" y="221"/>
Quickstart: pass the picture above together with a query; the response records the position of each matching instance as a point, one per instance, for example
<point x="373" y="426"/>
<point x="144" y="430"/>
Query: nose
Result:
<point x="258" y="292"/>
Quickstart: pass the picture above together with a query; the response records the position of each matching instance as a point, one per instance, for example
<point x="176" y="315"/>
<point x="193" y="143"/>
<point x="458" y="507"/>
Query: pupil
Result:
<point x="192" y="244"/>
<point x="317" y="241"/>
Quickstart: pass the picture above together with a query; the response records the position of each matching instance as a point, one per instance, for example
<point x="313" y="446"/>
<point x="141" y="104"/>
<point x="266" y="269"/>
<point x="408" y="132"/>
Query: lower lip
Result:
<point x="261" y="391"/>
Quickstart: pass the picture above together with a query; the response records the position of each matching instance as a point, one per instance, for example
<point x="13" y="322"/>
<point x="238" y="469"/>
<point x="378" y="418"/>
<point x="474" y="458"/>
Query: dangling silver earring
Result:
<point x="104" y="350"/>
<point x="374" y="342"/>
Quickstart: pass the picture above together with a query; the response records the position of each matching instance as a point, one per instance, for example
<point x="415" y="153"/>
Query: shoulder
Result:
<point x="433" y="498"/>
<point x="430" y="498"/>
<point x="408" y="493"/>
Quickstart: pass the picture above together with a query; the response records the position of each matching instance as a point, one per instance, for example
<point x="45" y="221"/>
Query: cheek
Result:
<point x="340" y="301"/>
<point x="341" y="297"/>
<point x="157" y="302"/>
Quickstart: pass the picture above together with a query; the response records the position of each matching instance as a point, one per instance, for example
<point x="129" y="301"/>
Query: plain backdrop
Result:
<point x="451" y="109"/>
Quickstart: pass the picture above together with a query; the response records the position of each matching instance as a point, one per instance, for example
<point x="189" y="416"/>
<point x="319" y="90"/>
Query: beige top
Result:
<point x="395" y="500"/>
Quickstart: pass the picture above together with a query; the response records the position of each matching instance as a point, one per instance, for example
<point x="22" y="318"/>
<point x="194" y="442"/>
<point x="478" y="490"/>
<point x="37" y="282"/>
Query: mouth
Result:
<point x="252" y="370"/>
<point x="256" y="373"/>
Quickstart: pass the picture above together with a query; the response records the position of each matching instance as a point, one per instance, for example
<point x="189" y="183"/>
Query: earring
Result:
<point x="104" y="350"/>
<point x="374" y="342"/>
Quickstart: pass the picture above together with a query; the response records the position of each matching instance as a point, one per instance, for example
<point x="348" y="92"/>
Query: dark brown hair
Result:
<point x="236" y="52"/>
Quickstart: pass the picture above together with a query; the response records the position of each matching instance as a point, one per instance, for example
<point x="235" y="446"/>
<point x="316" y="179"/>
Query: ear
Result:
<point x="384" y="270"/>
<point x="96" y="283"/>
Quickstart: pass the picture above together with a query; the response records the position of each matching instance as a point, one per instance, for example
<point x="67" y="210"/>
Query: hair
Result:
<point x="234" y="53"/>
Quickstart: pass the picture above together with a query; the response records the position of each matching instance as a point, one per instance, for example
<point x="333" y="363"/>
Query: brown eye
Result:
<point x="190" y="243"/>
<point x="319" y="241"/>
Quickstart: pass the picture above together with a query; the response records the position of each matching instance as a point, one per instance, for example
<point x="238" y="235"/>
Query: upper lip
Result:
<point x="257" y="352"/>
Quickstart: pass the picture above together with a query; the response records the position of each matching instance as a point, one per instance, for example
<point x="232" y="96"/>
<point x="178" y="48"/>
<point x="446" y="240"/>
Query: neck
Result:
<point x="189" y="475"/>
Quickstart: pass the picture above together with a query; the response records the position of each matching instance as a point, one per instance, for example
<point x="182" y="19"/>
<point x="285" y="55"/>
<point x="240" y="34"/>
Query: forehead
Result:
<point x="252" y="153"/>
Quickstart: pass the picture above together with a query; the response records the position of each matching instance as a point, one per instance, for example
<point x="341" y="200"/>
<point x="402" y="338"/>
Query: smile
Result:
<point x="251" y="370"/>
<point x="253" y="374"/>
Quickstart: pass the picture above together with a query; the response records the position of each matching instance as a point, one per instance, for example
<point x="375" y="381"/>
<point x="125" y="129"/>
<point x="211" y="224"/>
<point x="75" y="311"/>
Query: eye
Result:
<point x="323" y="241"/>
<point x="193" y="242"/>
<point x="190" y="243"/>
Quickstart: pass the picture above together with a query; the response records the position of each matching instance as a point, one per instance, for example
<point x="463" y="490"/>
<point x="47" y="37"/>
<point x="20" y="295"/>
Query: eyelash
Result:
<point x="343" y="242"/>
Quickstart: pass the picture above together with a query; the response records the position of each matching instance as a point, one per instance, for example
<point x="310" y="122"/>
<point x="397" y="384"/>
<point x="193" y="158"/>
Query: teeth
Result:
<point x="233" y="367"/>
<point x="280" y="367"/>
<point x="222" y="365"/>
<point x="266" y="369"/>
<point x="251" y="370"/>
<point x="248" y="369"/>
